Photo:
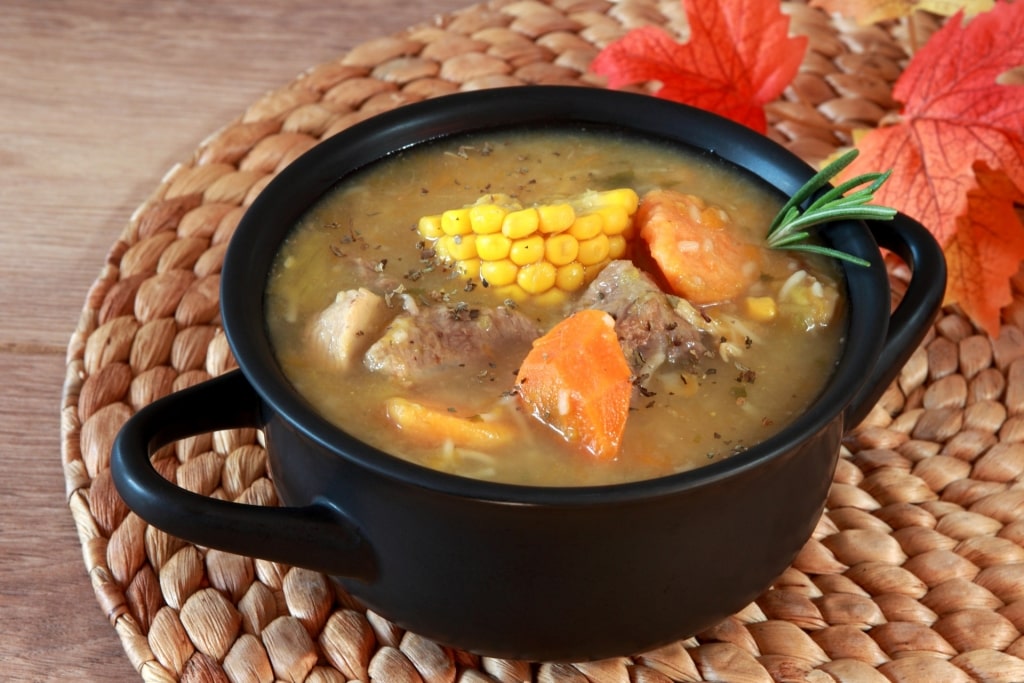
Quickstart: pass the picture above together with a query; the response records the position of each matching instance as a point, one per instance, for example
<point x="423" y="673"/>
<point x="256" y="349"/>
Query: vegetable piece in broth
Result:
<point x="576" y="380"/>
<point x="550" y="249"/>
<point x="701" y="257"/>
<point x="435" y="427"/>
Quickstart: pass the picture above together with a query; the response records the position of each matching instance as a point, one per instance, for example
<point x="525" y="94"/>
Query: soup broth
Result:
<point x="760" y="360"/>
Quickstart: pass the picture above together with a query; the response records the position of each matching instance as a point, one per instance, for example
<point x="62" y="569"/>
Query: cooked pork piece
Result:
<point x="343" y="331"/>
<point x="650" y="328"/>
<point x="419" y="343"/>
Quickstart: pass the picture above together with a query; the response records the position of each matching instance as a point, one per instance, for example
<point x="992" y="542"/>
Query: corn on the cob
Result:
<point x="528" y="251"/>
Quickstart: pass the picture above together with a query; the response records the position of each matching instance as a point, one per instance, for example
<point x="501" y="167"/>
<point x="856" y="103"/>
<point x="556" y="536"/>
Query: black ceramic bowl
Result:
<point x="514" y="571"/>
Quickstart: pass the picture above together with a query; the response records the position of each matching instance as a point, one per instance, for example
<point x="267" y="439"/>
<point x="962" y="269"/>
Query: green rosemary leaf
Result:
<point x="836" y="213"/>
<point x="848" y="200"/>
<point x="817" y="181"/>
<point x="834" y="253"/>
<point x="843" y="189"/>
<point x="780" y="241"/>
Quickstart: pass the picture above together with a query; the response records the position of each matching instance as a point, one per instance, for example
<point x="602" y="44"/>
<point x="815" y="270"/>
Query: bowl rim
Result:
<point x="318" y="170"/>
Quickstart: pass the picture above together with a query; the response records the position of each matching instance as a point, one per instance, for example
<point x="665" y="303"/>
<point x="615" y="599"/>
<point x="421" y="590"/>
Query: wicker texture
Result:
<point x="915" y="572"/>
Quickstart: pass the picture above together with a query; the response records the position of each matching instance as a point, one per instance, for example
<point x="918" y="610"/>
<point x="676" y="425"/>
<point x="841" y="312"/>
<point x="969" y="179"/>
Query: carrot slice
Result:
<point x="702" y="260"/>
<point x="577" y="381"/>
<point x="433" y="426"/>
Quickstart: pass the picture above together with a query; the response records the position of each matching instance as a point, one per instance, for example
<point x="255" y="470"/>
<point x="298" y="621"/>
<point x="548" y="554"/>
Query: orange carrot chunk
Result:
<point x="701" y="258"/>
<point x="576" y="380"/>
<point x="435" y="426"/>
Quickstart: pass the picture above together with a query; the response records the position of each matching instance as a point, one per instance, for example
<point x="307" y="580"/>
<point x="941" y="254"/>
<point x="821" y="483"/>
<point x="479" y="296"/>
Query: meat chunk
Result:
<point x="418" y="344"/>
<point x="650" y="328"/>
<point x="343" y="331"/>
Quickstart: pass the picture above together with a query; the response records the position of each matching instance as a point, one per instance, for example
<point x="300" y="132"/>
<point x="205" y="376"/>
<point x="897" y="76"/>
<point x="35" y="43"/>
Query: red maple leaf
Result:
<point x="956" y="114"/>
<point x="987" y="249"/>
<point x="739" y="57"/>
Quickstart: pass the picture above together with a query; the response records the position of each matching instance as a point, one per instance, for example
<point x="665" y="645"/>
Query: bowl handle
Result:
<point x="915" y="313"/>
<point x="317" y="537"/>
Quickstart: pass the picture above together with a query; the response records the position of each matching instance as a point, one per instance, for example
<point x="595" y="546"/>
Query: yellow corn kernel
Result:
<point x="536" y="278"/>
<point x="555" y="218"/>
<point x="616" y="220"/>
<point x="594" y="250"/>
<point x="761" y="308"/>
<point x="468" y="269"/>
<point x="551" y="298"/>
<point x="569" y="277"/>
<point x="587" y="226"/>
<point x="527" y="250"/>
<point x="510" y="292"/>
<point x="590" y="201"/>
<point x="498" y="273"/>
<point x="493" y="247"/>
<point x="624" y="197"/>
<point x="522" y="223"/>
<point x="561" y="249"/>
<point x="456" y="247"/>
<point x="617" y="246"/>
<point x="441" y="248"/>
<point x="456" y="222"/>
<point x="486" y="219"/>
<point x="430" y="227"/>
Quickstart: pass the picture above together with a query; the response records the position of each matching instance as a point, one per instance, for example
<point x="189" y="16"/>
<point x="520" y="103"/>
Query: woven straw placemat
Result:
<point x="915" y="572"/>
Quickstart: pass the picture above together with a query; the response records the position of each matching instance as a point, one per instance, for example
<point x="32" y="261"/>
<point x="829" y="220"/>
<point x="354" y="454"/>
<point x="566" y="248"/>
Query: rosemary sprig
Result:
<point x="789" y="230"/>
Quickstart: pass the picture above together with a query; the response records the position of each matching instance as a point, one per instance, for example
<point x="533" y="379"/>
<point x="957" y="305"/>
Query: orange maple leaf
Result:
<point x="955" y="115"/>
<point x="874" y="11"/>
<point x="987" y="249"/>
<point x="738" y="58"/>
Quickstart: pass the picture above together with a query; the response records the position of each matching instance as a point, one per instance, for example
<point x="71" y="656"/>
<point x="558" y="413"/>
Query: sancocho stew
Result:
<point x="556" y="307"/>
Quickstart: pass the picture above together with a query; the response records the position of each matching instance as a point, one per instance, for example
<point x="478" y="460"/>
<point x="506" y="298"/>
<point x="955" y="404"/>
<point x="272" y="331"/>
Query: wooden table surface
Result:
<point x="97" y="101"/>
